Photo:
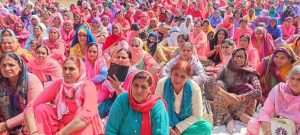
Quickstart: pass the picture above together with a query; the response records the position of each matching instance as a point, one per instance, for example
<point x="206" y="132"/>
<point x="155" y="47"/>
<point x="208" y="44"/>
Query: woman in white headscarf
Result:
<point x="187" y="26"/>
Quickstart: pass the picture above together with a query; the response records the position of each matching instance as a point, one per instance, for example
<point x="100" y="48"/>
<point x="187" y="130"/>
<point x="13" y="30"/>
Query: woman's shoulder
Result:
<point x="33" y="78"/>
<point x="158" y="107"/>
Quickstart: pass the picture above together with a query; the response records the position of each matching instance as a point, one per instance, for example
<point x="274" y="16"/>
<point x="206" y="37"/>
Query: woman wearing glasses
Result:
<point x="112" y="87"/>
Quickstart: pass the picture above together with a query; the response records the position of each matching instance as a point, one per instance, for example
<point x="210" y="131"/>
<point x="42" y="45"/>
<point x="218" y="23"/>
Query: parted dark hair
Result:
<point x="143" y="75"/>
<point x="127" y="51"/>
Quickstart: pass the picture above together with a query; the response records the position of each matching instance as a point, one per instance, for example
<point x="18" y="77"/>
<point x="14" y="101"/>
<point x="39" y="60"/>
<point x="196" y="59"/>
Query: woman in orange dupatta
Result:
<point x="275" y="68"/>
<point x="9" y="43"/>
<point x="43" y="66"/>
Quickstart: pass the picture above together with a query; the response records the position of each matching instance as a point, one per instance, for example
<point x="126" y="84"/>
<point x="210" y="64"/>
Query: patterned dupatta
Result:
<point x="13" y="100"/>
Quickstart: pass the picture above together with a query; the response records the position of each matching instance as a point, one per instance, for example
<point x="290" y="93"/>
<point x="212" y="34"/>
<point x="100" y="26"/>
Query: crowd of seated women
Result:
<point x="55" y="66"/>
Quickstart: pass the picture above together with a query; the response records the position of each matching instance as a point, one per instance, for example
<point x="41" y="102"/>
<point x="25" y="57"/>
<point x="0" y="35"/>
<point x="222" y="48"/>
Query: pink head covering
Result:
<point x="67" y="36"/>
<point x="59" y="17"/>
<point x="57" y="42"/>
<point x="70" y="90"/>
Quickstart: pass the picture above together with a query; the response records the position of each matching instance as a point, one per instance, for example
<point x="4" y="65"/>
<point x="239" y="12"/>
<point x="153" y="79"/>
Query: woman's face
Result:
<point x="53" y="35"/>
<point x="280" y="59"/>
<point x="33" y="45"/>
<point x="178" y="78"/>
<point x="140" y="90"/>
<point x="243" y="42"/>
<point x="95" y="24"/>
<point x="180" y="41"/>
<point x="105" y="21"/>
<point x="122" y="58"/>
<point x="37" y="30"/>
<point x="289" y="22"/>
<point x="197" y="27"/>
<point x="34" y="21"/>
<point x="116" y="30"/>
<point x="259" y="34"/>
<point x="92" y="53"/>
<point x="41" y="54"/>
<point x="221" y="36"/>
<point x="239" y="58"/>
<point x="7" y="44"/>
<point x="237" y="15"/>
<point x="162" y="10"/>
<point x="120" y="15"/>
<point x="77" y="20"/>
<point x="243" y="24"/>
<point x="71" y="71"/>
<point x="205" y="26"/>
<point x="152" y="39"/>
<point x="82" y="38"/>
<point x="67" y="27"/>
<point x="186" y="52"/>
<point x="152" y="24"/>
<point x="6" y="33"/>
<point x="226" y="49"/>
<point x="9" y="67"/>
<point x="56" y="21"/>
<point x="273" y="23"/>
<point x="19" y="27"/>
<point x="134" y="44"/>
<point x="294" y="82"/>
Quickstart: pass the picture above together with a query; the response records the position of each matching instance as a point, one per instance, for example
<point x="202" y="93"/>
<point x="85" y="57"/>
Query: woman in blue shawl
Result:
<point x="274" y="29"/>
<point x="83" y="37"/>
<point x="184" y="101"/>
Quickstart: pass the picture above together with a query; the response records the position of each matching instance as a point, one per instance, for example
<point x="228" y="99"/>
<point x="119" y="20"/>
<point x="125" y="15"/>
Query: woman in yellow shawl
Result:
<point x="296" y="46"/>
<point x="9" y="43"/>
<point x="208" y="29"/>
<point x="275" y="68"/>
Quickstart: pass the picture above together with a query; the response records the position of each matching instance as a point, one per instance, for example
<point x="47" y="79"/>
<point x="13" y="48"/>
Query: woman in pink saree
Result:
<point x="263" y="42"/>
<point x="21" y="33"/>
<point x="283" y="100"/>
<point x="43" y="66"/>
<point x="287" y="28"/>
<point x="245" y="42"/>
<point x="68" y="32"/>
<point x="244" y="29"/>
<point x="56" y="45"/>
<point x="76" y="105"/>
<point x="199" y="39"/>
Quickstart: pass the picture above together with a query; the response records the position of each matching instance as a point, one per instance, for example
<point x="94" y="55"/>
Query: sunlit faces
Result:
<point x="197" y="27"/>
<point x="56" y="21"/>
<point x="19" y="27"/>
<point x="239" y="58"/>
<point x="95" y="24"/>
<point x="122" y="58"/>
<point x="243" y="42"/>
<point x="140" y="90"/>
<point x="10" y="68"/>
<point x="205" y="26"/>
<point x="178" y="78"/>
<point x="294" y="82"/>
<point x="71" y="71"/>
<point x="226" y="49"/>
<point x="7" y="44"/>
<point x="92" y="52"/>
<point x="281" y="59"/>
<point x="41" y="54"/>
<point x="53" y="35"/>
<point x="116" y="30"/>
<point x="186" y="52"/>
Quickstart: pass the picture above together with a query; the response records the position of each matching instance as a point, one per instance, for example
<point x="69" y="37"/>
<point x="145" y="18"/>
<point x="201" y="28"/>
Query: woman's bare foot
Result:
<point x="230" y="127"/>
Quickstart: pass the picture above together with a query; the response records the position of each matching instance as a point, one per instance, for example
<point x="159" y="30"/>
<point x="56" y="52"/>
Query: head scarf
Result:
<point x="24" y="30"/>
<point x="61" y="20"/>
<point x="17" y="97"/>
<point x="68" y="36"/>
<point x="273" y="74"/>
<point x="210" y="28"/>
<point x="142" y="23"/>
<point x="31" y="26"/>
<point x="274" y="14"/>
<point x="97" y="30"/>
<point x="48" y="67"/>
<point x="57" y="42"/>
<point x="172" y="39"/>
<point x="240" y="69"/>
<point x="267" y="46"/>
<point x="90" y="37"/>
<point x="137" y="53"/>
<point x="113" y="39"/>
<point x="94" y="69"/>
<point x="151" y="46"/>
<point x="71" y="90"/>
<point x="145" y="107"/>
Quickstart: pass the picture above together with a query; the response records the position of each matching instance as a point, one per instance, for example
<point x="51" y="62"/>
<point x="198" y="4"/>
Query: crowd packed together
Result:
<point x="188" y="65"/>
